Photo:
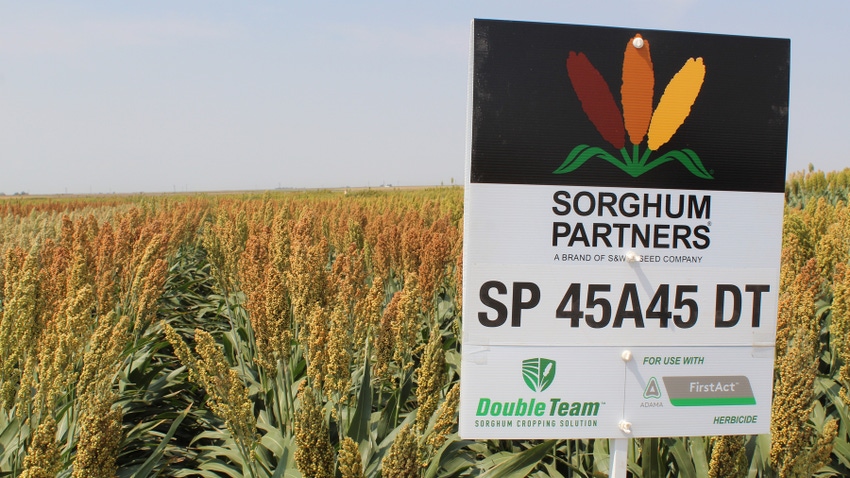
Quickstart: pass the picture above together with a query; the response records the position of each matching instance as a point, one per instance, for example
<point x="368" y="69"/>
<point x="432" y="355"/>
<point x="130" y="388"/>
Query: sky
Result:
<point x="163" y="96"/>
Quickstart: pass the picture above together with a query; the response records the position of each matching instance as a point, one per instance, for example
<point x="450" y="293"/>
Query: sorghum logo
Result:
<point x="538" y="373"/>
<point x="637" y="118"/>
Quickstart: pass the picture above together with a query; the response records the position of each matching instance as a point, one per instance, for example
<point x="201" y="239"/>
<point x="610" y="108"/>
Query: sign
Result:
<point x="622" y="236"/>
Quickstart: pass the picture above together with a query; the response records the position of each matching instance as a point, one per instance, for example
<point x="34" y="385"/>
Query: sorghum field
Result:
<point x="317" y="335"/>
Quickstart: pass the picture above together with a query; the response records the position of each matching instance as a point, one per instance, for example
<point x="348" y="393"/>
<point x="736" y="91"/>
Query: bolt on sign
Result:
<point x="623" y="216"/>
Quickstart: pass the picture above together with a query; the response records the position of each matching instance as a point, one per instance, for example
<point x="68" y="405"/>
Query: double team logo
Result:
<point x="538" y="373"/>
<point x="637" y="120"/>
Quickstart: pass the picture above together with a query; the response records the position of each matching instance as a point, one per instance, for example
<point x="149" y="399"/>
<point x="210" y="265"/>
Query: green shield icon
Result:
<point x="538" y="373"/>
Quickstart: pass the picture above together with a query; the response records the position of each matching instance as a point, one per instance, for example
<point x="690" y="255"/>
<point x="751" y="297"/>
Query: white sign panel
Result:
<point x="617" y="284"/>
<point x="581" y="392"/>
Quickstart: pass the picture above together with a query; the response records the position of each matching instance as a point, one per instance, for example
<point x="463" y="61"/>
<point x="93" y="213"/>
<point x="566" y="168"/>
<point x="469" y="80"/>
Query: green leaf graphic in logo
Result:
<point x="538" y="373"/>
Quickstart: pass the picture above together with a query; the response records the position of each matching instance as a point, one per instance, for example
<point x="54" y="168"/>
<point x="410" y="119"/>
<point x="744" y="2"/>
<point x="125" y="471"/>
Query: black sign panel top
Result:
<point x="597" y="106"/>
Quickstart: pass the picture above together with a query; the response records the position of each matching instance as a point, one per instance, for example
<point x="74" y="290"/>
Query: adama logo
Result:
<point x="538" y="373"/>
<point x="637" y="118"/>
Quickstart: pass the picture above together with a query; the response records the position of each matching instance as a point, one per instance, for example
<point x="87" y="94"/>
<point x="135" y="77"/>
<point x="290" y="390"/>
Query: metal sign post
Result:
<point x="619" y="451"/>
